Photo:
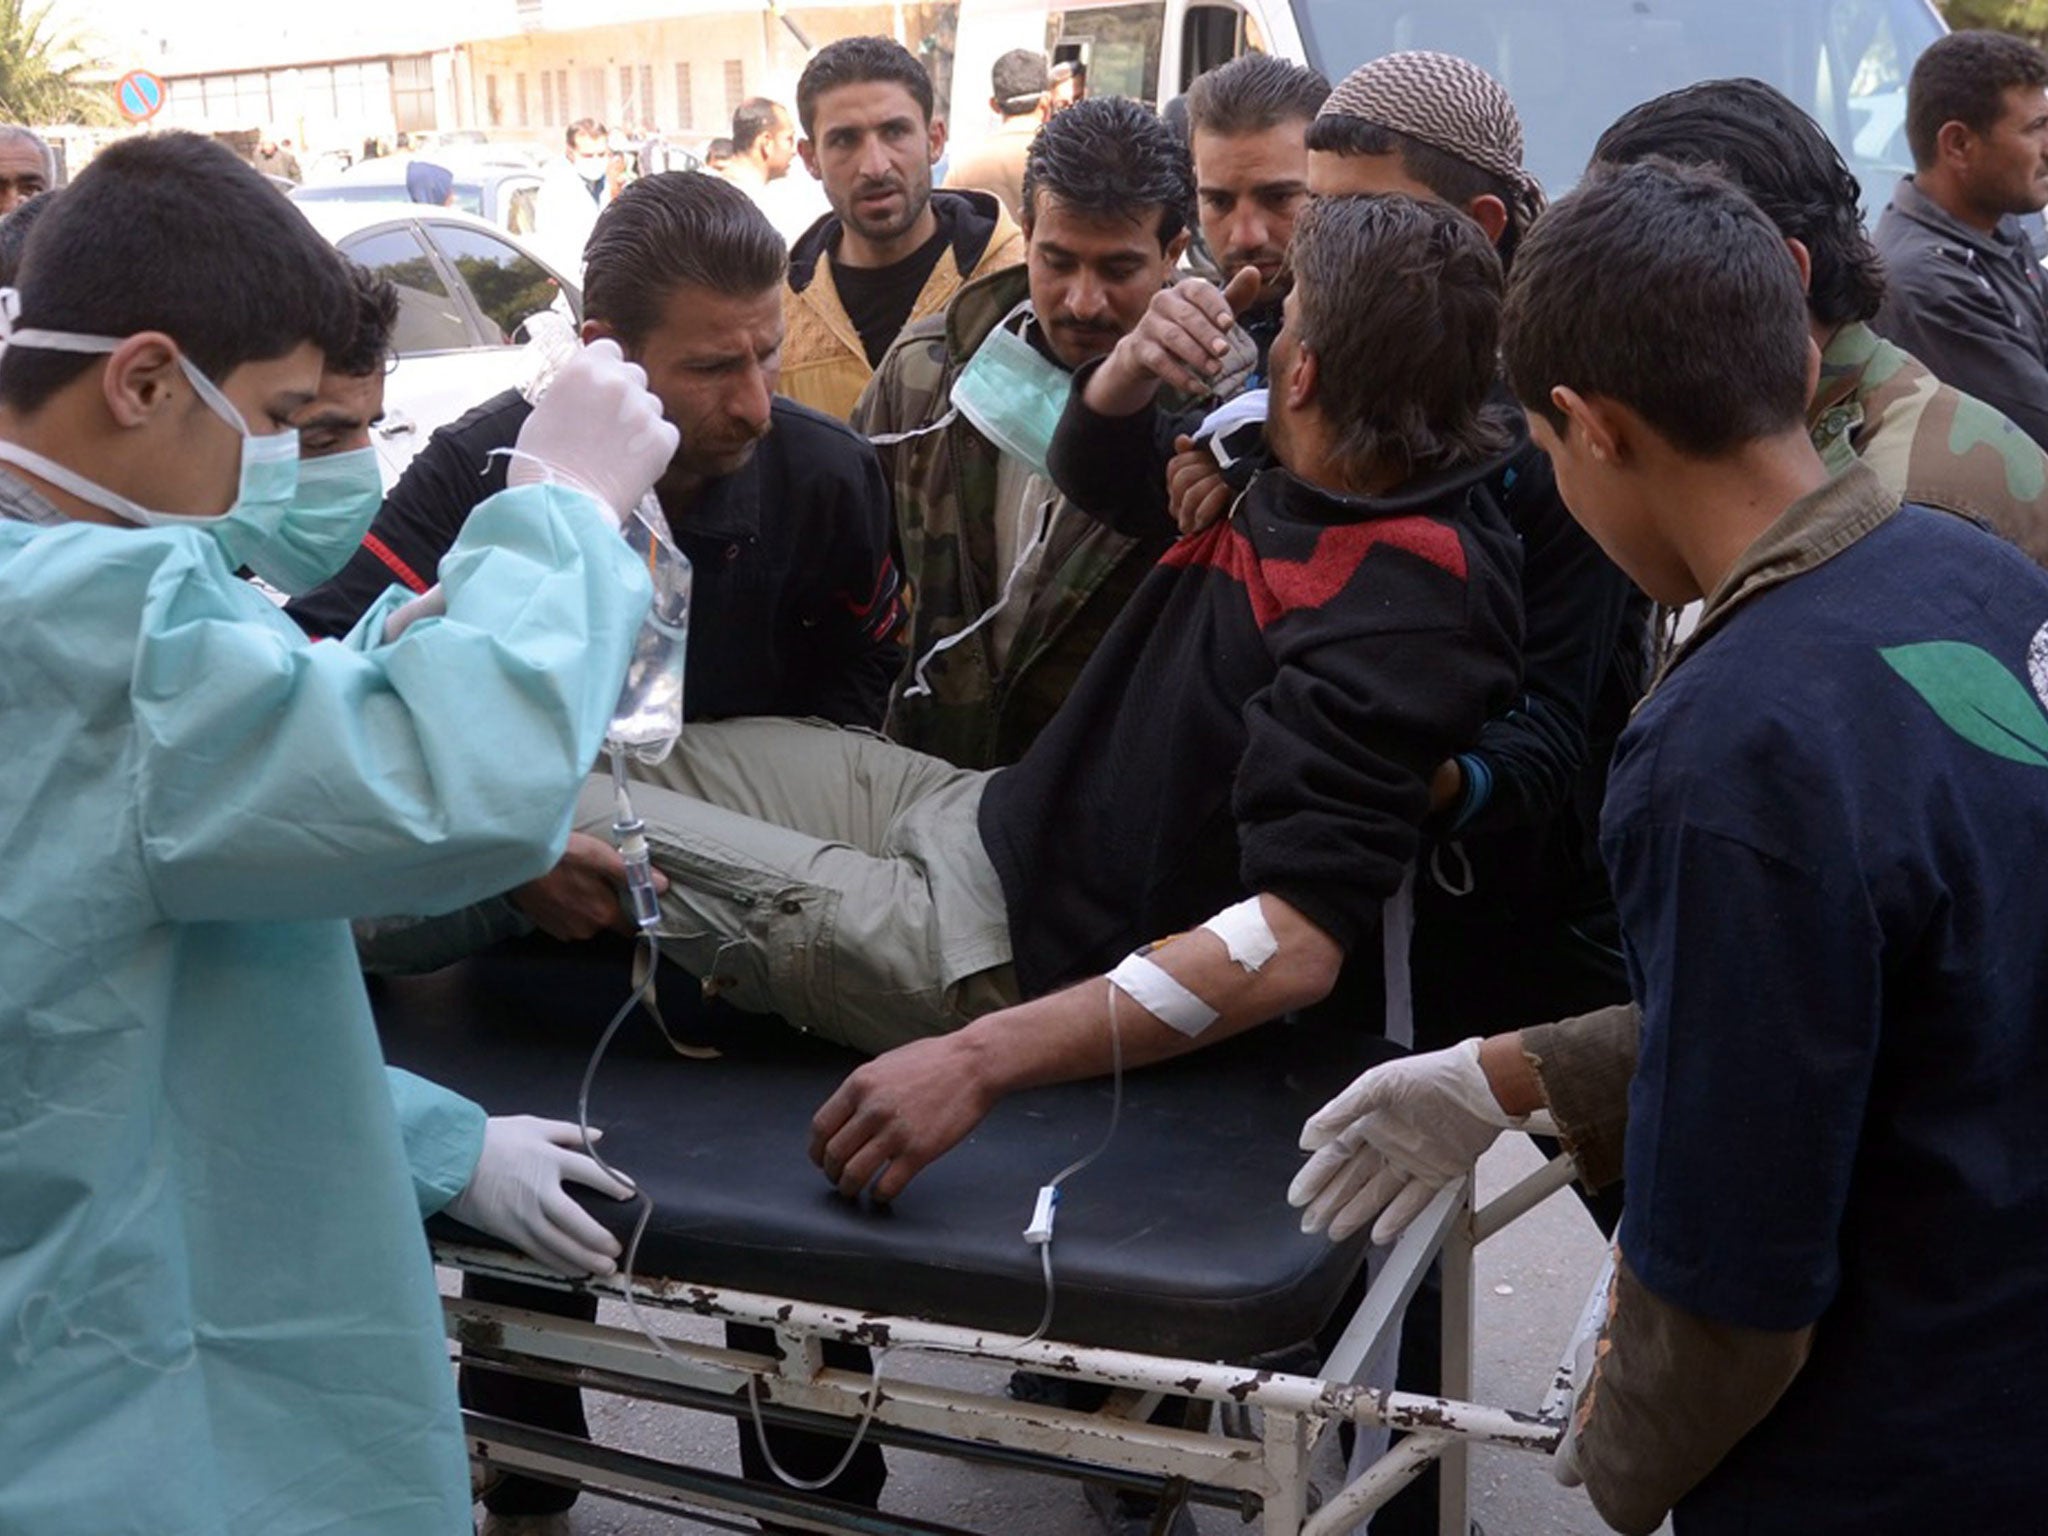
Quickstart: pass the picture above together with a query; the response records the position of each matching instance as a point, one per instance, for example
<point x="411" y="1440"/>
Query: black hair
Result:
<point x="1109" y="157"/>
<point x="171" y="232"/>
<point x="1399" y="301"/>
<point x="1963" y="78"/>
<point x="1255" y="93"/>
<point x="376" y="316"/>
<point x="750" y="119"/>
<point x="717" y="148"/>
<point x="1451" y="177"/>
<point x="1755" y="136"/>
<point x="1663" y="288"/>
<point x="1018" y="82"/>
<point x="858" y="61"/>
<point x="668" y="230"/>
<point x="14" y="233"/>
<point x="582" y="128"/>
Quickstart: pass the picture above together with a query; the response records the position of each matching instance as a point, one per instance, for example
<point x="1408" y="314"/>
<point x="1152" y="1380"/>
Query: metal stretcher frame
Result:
<point x="1265" y="1477"/>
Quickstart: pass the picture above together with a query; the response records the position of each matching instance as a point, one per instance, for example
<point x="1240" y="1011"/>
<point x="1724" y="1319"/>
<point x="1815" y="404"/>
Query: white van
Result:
<point x="1572" y="66"/>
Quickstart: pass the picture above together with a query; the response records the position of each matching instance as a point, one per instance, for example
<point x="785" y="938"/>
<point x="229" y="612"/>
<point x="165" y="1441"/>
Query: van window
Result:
<point x="1210" y="36"/>
<point x="1573" y="66"/>
<point x="1119" y="43"/>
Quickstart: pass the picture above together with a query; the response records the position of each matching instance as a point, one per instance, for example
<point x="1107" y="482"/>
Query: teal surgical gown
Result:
<point x="217" y="1310"/>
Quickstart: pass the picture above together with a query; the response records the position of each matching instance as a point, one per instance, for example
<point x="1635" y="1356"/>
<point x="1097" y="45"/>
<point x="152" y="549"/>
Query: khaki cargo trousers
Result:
<point x="823" y="874"/>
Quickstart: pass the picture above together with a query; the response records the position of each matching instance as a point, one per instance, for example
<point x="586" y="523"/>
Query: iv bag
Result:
<point x="649" y="715"/>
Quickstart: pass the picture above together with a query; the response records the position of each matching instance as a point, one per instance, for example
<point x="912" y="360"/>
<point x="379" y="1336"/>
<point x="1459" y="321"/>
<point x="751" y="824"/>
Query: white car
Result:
<point x="492" y="182"/>
<point x="466" y="291"/>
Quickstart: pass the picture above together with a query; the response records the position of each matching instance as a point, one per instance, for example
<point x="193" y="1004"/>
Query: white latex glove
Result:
<point x="516" y="1194"/>
<point x="597" y="429"/>
<point x="1385" y="1145"/>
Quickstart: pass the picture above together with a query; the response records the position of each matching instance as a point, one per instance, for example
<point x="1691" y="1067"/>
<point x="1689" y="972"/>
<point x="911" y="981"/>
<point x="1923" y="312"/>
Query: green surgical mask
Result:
<point x="1013" y="394"/>
<point x="338" y="497"/>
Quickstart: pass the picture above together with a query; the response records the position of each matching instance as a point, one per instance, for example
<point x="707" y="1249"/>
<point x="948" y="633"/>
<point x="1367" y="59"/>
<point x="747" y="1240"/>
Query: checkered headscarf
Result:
<point x="1449" y="104"/>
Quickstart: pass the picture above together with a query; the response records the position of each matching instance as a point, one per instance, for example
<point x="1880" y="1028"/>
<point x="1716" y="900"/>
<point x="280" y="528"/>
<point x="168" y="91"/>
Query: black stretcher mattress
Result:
<point x="1178" y="1241"/>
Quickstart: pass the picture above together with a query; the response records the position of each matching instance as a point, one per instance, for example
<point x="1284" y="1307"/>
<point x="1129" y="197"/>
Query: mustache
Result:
<point x="1087" y="327"/>
<point x="863" y="189"/>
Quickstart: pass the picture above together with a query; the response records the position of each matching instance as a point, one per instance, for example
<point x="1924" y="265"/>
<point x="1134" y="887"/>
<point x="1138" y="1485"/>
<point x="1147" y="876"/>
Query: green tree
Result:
<point x="41" y="70"/>
<point x="2025" y="18"/>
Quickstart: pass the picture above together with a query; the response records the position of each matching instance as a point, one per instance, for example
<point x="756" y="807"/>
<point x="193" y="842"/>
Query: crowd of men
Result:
<point x="1052" y="600"/>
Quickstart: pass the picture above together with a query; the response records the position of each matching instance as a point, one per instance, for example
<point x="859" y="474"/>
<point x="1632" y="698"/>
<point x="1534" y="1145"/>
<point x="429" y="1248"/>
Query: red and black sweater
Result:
<point x="1264" y="716"/>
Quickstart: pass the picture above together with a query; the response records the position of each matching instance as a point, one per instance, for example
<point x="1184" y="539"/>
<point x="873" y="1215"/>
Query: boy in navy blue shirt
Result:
<point x="1825" y="829"/>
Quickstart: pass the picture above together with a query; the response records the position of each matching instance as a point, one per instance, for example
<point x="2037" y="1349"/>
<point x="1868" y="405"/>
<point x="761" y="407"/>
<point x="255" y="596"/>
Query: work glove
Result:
<point x="598" y="430"/>
<point x="1385" y="1145"/>
<point x="516" y="1194"/>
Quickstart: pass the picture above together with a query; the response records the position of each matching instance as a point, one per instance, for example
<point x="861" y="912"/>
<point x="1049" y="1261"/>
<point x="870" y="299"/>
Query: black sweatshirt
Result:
<point x="1262" y="717"/>
<point x="796" y="603"/>
<point x="1536" y="776"/>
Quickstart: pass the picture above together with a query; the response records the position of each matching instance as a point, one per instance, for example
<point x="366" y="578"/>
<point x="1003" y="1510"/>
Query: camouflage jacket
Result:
<point x="979" y="715"/>
<point x="1927" y="442"/>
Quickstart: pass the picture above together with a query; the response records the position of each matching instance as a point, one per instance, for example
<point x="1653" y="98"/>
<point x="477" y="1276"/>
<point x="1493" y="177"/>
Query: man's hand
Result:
<point x="1446" y="785"/>
<point x="1183" y="340"/>
<point x="581" y="896"/>
<point x="1196" y="492"/>
<point x="899" y="1113"/>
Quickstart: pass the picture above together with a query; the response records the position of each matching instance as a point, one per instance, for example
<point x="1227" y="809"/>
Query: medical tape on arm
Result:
<point x="1246" y="936"/>
<point x="1245" y="933"/>
<point x="1152" y="988"/>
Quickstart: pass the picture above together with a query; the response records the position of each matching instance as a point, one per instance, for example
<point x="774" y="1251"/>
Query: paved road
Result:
<point x="1533" y="1280"/>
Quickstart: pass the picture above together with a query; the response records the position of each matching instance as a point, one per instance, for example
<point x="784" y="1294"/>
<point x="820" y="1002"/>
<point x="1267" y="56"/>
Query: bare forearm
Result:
<point x="1066" y="1036"/>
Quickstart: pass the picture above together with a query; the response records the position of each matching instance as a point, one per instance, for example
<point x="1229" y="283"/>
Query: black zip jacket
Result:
<point x="1263" y="717"/>
<point x="796" y="603"/>
<point x="1536" y="772"/>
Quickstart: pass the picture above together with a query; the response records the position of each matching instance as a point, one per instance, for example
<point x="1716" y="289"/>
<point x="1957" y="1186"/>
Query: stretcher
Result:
<point x="1179" y="1270"/>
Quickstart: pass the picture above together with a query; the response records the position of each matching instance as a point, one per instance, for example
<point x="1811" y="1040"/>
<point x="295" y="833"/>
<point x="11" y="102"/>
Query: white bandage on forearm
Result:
<point x="1245" y="934"/>
<point x="1152" y="989"/>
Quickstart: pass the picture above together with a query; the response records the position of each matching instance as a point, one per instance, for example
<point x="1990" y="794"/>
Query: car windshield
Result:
<point x="469" y="197"/>
<point x="1573" y="66"/>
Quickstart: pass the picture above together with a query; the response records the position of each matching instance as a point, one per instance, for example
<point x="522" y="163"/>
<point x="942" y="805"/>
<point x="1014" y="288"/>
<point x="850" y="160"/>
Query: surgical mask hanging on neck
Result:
<point x="1013" y="394"/>
<point x="266" y="483"/>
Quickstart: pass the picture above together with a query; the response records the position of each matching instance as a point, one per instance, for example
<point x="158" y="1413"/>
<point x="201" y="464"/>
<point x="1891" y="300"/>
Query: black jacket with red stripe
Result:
<point x="1264" y="716"/>
<point x="797" y="606"/>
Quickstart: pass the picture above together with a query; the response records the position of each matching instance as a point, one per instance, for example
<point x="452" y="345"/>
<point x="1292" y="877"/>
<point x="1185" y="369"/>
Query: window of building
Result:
<point x="412" y="94"/>
<point x="735" y="86"/>
<point x="494" y="109"/>
<point x="590" y="103"/>
<point x="686" y="106"/>
<point x="646" y="99"/>
<point x="547" y="99"/>
<point x="629" y="104"/>
<point x="519" y="100"/>
<point x="562" y="94"/>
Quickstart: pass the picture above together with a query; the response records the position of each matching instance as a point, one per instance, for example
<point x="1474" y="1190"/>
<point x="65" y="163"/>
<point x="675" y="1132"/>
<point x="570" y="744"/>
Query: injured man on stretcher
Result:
<point x="1248" y="751"/>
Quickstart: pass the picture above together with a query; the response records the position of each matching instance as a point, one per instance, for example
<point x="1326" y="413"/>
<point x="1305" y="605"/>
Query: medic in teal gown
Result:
<point x="217" y="1312"/>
